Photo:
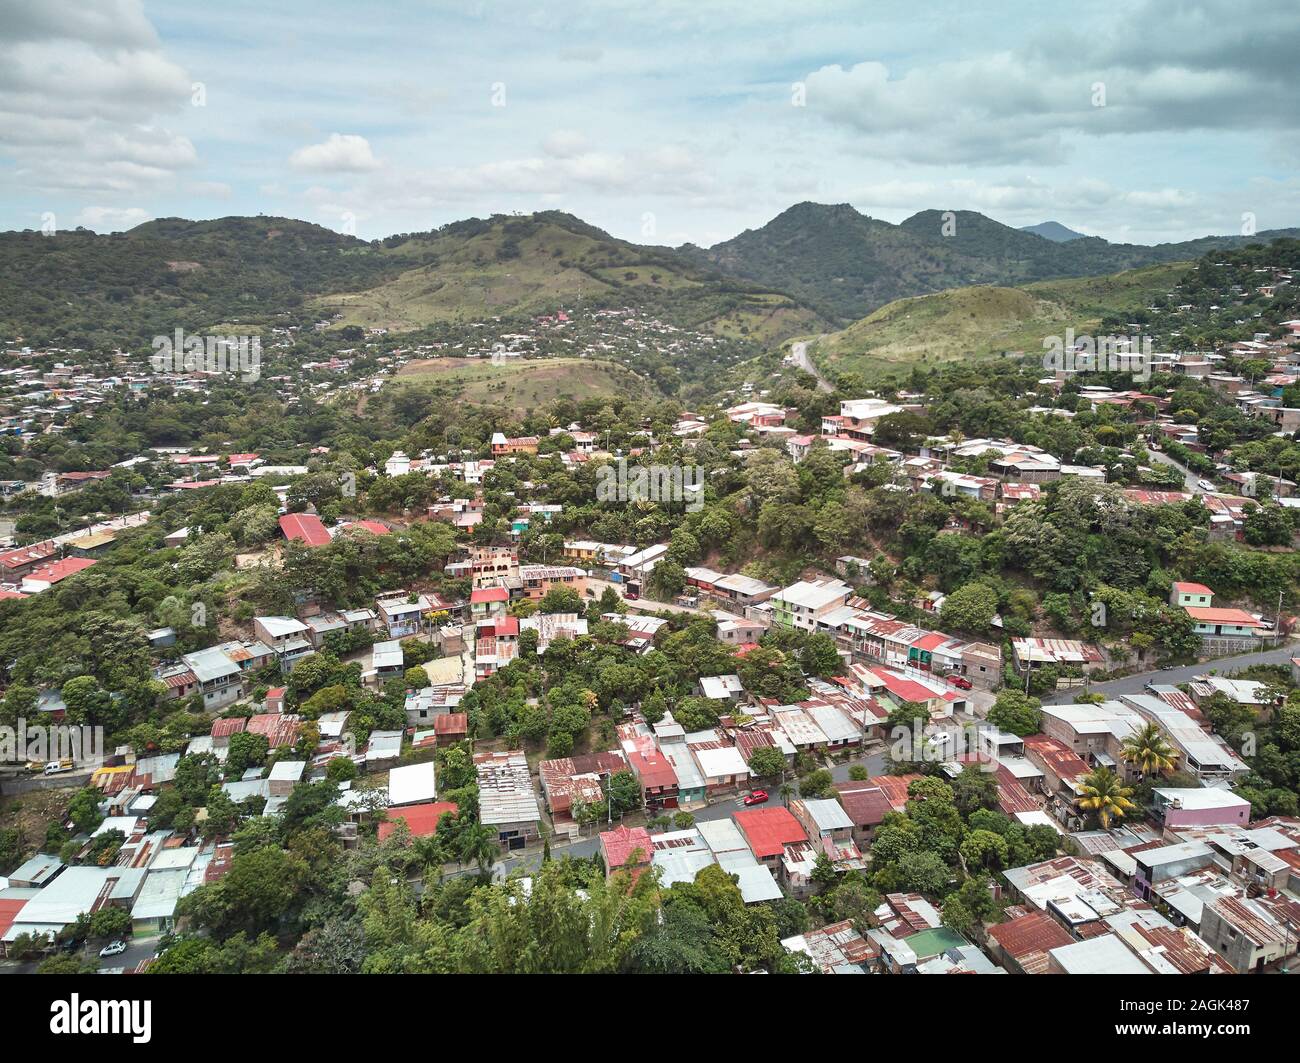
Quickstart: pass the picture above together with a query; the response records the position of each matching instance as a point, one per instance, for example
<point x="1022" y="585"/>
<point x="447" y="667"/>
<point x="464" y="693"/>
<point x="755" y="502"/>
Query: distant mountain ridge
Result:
<point x="1052" y="230"/>
<point x="846" y="264"/>
<point x="812" y="267"/>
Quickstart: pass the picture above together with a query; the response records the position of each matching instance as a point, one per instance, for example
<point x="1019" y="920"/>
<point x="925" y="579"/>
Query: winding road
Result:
<point x="799" y="354"/>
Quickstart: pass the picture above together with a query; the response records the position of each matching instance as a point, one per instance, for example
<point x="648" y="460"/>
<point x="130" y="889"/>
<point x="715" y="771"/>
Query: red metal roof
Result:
<point x="451" y="723"/>
<point x="769" y="830"/>
<point x="304" y="528"/>
<point x="60" y="570"/>
<point x="1029" y="939"/>
<point x="1205" y="615"/>
<point x="653" y="769"/>
<point x="489" y="594"/>
<point x="421" y="819"/>
<point x="619" y="844"/>
<point x="864" y="803"/>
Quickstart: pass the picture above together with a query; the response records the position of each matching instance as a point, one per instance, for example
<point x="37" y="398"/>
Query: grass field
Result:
<point x="522" y="384"/>
<point x="982" y="322"/>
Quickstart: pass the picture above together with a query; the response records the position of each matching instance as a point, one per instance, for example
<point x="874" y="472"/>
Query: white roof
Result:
<point x="828" y="814"/>
<point x="1106" y="954"/>
<point x="278" y="626"/>
<point x="719" y="763"/>
<point x="1201" y="797"/>
<point x="74" y="891"/>
<point x="720" y="686"/>
<point x="287" y="770"/>
<point x="387" y="654"/>
<point x="411" y="784"/>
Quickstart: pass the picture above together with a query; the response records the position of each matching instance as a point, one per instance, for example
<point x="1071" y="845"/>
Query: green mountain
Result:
<point x="846" y="265"/>
<point x="80" y="289"/>
<point x="526" y="264"/>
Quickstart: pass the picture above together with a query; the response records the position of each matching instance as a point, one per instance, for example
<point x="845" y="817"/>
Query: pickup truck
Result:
<point x="57" y="767"/>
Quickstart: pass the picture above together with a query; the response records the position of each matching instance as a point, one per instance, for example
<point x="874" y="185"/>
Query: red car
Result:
<point x="756" y="797"/>
<point x="959" y="681"/>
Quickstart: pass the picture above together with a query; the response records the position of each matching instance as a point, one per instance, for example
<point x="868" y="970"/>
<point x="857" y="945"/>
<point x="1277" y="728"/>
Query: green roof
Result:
<point x="930" y="943"/>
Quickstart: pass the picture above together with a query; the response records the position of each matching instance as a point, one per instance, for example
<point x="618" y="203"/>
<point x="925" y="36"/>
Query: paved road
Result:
<point x="1190" y="478"/>
<point x="137" y="951"/>
<point x="799" y="355"/>
<point x="1136" y="684"/>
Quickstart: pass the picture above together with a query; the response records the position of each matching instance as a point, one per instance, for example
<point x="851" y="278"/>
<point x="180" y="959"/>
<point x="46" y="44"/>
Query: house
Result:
<point x="1199" y="806"/>
<point x="655" y="773"/>
<point x="1104" y="954"/>
<point x="387" y="661"/>
<point x="721" y="687"/>
<point x="866" y="806"/>
<point x="767" y="831"/>
<point x="569" y="779"/>
<point x="412" y="784"/>
<point x="722" y="765"/>
<point x="802" y="604"/>
<point x="1206" y="757"/>
<point x="507" y="802"/>
<point x="1095" y="733"/>
<point x="46" y="576"/>
<point x="304" y="528"/>
<point x="420" y="819"/>
<point x="502" y="447"/>
<point x="537" y="580"/>
<point x="835" y="949"/>
<point x="626" y="849"/>
<point x="403" y="615"/>
<point x="1252" y="933"/>
<point x="488" y="602"/>
<point x="1031" y="652"/>
<point x="1022" y="944"/>
<point x="1182" y="595"/>
<point x="218" y="678"/>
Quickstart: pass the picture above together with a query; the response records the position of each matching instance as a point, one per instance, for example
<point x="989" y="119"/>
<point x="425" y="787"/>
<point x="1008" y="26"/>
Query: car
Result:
<point x="755" y="797"/>
<point x="1205" y="485"/>
<point x="113" y="948"/>
<point x="959" y="681"/>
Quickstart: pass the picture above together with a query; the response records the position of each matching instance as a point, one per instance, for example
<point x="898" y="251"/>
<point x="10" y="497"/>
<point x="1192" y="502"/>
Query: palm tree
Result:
<point x="478" y="844"/>
<point x="1150" y="751"/>
<point x="1102" y="792"/>
<point x="786" y="791"/>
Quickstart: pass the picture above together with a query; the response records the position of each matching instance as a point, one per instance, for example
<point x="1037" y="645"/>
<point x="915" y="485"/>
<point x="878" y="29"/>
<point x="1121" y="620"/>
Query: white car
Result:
<point x="113" y="948"/>
<point x="1205" y="485"/>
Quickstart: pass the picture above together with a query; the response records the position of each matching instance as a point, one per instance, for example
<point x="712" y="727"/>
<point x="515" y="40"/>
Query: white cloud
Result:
<point x="82" y="91"/>
<point x="112" y="219"/>
<point x="341" y="153"/>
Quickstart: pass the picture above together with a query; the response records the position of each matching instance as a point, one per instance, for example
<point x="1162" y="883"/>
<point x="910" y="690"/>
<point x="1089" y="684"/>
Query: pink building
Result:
<point x="1200" y="806"/>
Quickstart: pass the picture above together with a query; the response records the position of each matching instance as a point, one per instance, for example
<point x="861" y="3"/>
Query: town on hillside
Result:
<point x="650" y="490"/>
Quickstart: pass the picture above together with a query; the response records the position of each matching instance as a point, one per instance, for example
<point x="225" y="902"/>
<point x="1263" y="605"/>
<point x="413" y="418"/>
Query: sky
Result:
<point x="661" y="121"/>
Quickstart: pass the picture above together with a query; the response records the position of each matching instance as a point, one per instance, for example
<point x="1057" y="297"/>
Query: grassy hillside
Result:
<point x="980" y="322"/>
<point x="519" y="384"/>
<point x="507" y="266"/>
